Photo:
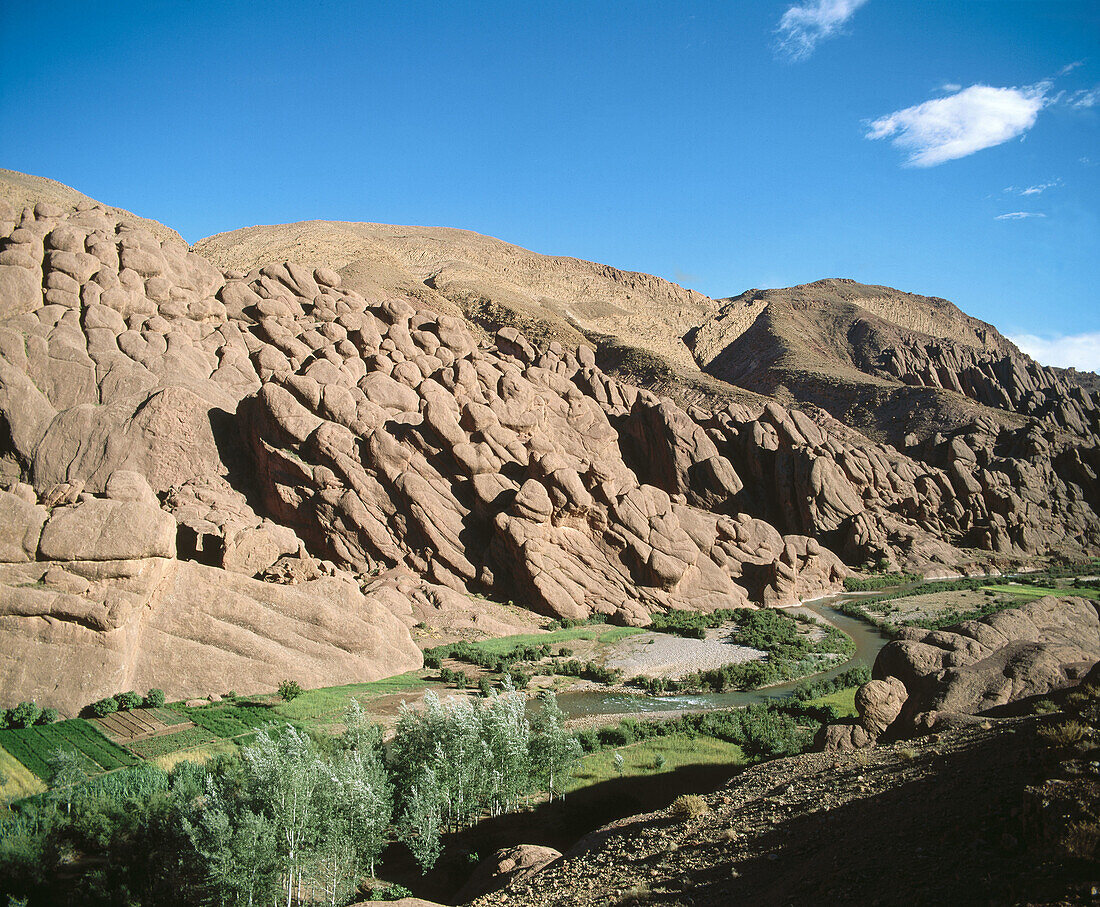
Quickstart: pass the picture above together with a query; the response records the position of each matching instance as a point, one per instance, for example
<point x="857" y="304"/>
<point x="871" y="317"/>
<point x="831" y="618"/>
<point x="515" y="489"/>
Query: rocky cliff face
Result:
<point x="273" y="423"/>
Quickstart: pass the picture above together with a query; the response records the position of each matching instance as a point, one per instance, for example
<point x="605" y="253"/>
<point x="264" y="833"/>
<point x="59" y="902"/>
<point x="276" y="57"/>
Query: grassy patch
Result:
<point x="330" y="702"/>
<point x="34" y="746"/>
<point x="641" y="758"/>
<point x="230" y="719"/>
<point x="18" y="780"/>
<point x="201" y="754"/>
<point x="844" y="701"/>
<point x="190" y="737"/>
<point x="1028" y="591"/>
<point x="601" y="633"/>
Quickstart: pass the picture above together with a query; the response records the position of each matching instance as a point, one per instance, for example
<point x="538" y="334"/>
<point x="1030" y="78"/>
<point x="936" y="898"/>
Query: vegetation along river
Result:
<point x="868" y="639"/>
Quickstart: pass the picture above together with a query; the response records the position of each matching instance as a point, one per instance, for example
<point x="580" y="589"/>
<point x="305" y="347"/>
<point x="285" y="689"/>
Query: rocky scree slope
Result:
<point x="963" y="817"/>
<point x="294" y="430"/>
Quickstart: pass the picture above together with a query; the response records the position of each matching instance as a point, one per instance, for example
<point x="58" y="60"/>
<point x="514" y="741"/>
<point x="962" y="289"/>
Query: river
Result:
<point x="868" y="639"/>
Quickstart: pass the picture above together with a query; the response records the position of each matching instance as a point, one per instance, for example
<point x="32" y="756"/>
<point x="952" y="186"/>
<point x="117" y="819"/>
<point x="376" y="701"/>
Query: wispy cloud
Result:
<point x="1018" y="215"/>
<point x="1070" y="67"/>
<point x="803" y="26"/>
<point x="1081" y="351"/>
<point x="1083" y="98"/>
<point x="945" y="129"/>
<point x="1037" y="189"/>
<point x="950" y="87"/>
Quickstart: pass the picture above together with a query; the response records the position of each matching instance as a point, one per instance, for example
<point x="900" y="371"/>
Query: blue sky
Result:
<point x="947" y="148"/>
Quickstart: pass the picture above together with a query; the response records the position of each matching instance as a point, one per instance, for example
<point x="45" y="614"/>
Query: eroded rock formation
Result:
<point x="279" y="428"/>
<point x="926" y="680"/>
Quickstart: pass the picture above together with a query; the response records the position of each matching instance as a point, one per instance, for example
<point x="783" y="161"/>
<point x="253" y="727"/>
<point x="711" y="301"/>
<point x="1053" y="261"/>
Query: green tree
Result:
<point x="554" y="751"/>
<point x="154" y="699"/>
<point x="67" y="773"/>
<point x="24" y="715"/>
<point x="130" y="700"/>
<point x="290" y="690"/>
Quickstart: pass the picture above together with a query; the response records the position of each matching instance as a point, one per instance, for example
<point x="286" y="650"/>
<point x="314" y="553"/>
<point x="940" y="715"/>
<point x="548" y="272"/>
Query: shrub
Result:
<point x="659" y="761"/>
<point x="105" y="706"/>
<point x="289" y="690"/>
<point x="520" y="680"/>
<point x="129" y="700"/>
<point x="589" y="740"/>
<point x="565" y="652"/>
<point x="614" y="736"/>
<point x="1045" y="707"/>
<point x="48" y="716"/>
<point x="1067" y="734"/>
<point x="154" y="699"/>
<point x="485" y="687"/>
<point x="689" y="806"/>
<point x="432" y="659"/>
<point x="24" y="715"/>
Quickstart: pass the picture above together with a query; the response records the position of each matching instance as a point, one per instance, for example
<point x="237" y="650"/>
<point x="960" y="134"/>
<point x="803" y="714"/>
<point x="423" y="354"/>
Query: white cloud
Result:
<point x="1084" y="98"/>
<point x="1081" y="351"/>
<point x="801" y="27"/>
<point x="1018" y="215"/>
<point x="950" y="87"/>
<point x="1037" y="189"/>
<point x="977" y="117"/>
<point x="1070" y="67"/>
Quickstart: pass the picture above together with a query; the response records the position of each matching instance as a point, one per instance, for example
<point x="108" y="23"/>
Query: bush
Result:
<point x="290" y="690"/>
<point x="432" y="659"/>
<point x="689" y="806"/>
<point x="130" y="700"/>
<point x="154" y="699"/>
<point x="48" y="716"/>
<point x="1068" y="734"/>
<point x="588" y="739"/>
<point x="24" y="715"/>
<point x="485" y="687"/>
<point x="104" y="706"/>
<point x="614" y="736"/>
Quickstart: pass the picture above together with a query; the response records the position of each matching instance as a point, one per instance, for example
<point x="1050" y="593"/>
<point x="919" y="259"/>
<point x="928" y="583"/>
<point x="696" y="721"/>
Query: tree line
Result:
<point x="292" y="818"/>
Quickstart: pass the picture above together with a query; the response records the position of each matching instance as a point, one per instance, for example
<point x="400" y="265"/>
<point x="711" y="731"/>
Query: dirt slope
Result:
<point x="941" y="820"/>
<point x="489" y="281"/>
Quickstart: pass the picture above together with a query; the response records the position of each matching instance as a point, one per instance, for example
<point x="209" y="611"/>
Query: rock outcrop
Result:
<point x="926" y="680"/>
<point x="511" y="864"/>
<point x="273" y="423"/>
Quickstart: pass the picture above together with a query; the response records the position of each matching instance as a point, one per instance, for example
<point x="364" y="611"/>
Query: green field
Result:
<point x="16" y="780"/>
<point x="34" y="746"/>
<point x="329" y="702"/>
<point x="601" y="633"/>
<point x="844" y="701"/>
<point x="639" y="758"/>
<point x="190" y="737"/>
<point x="1027" y="591"/>
<point x="229" y="719"/>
